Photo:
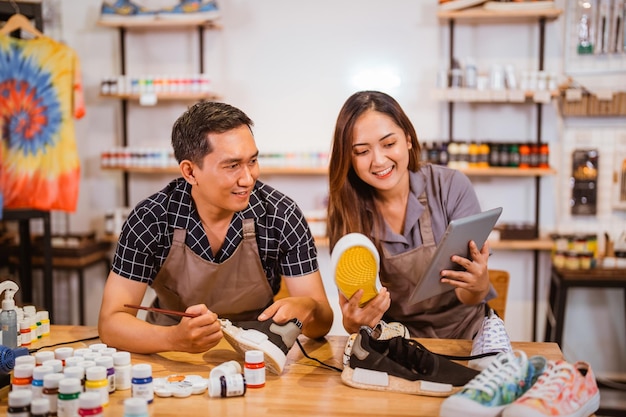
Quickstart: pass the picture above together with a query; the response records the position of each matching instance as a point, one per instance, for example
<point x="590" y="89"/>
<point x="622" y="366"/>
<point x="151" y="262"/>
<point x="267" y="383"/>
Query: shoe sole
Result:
<point x="243" y="340"/>
<point x="381" y="381"/>
<point x="356" y="268"/>
<point x="460" y="406"/>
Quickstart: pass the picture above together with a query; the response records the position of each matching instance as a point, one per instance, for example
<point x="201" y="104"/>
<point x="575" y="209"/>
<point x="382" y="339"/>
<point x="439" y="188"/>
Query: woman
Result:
<point x="379" y="188"/>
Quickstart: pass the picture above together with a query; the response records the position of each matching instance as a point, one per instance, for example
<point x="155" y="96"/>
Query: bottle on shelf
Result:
<point x="8" y="316"/>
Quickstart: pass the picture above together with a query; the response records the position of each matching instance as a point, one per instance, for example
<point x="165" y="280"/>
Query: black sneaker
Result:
<point x="275" y="340"/>
<point x="402" y="365"/>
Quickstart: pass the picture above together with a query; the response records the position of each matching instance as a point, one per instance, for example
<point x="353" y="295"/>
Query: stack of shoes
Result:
<point x="191" y="8"/>
<point x="402" y="365"/>
<point x="273" y="339"/>
<point x="125" y="10"/>
<point x="490" y="340"/>
<point x="355" y="264"/>
<point x="505" y="380"/>
<point x="382" y="331"/>
<point x="458" y="4"/>
<point x="564" y="389"/>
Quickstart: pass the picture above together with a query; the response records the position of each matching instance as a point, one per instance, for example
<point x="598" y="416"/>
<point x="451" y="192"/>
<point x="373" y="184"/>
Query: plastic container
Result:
<point x="254" y="369"/>
<point x="8" y="315"/>
<point x="227" y="386"/>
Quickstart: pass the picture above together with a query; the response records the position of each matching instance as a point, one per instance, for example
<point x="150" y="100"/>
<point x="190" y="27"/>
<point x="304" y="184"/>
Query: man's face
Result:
<point x="228" y="173"/>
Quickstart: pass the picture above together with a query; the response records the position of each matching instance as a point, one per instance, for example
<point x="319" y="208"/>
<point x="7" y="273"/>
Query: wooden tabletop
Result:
<point x="304" y="389"/>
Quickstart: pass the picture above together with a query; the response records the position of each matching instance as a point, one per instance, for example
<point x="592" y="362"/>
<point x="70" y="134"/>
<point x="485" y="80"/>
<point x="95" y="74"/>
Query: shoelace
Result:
<point x="551" y="383"/>
<point x="498" y="372"/>
<point x="411" y="354"/>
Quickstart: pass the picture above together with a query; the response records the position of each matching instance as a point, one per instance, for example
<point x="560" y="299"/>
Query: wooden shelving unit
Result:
<point x="480" y="16"/>
<point x="123" y="27"/>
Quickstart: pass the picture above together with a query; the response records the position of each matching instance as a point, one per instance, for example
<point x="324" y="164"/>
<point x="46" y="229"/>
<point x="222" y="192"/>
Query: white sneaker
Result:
<point x="275" y="340"/>
<point x="491" y="338"/>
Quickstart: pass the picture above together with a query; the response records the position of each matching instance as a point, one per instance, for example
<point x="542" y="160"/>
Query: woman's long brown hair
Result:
<point x="351" y="201"/>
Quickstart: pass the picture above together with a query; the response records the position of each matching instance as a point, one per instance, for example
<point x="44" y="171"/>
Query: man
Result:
<point x="214" y="243"/>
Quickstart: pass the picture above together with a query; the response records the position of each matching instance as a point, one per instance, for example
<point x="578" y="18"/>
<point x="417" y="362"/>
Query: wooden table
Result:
<point x="304" y="389"/>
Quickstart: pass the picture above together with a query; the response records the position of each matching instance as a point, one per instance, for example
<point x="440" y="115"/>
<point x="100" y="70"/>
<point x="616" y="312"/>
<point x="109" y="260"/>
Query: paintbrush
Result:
<point x="162" y="311"/>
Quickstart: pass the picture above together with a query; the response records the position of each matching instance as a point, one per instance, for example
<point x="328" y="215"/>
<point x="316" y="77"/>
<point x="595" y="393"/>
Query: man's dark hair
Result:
<point x="190" y="132"/>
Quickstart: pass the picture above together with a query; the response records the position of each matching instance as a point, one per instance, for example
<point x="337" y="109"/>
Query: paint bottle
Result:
<point x="44" y="319"/>
<point x="226" y="368"/>
<point x="63" y="353"/>
<point x="141" y="382"/>
<point x="254" y="369"/>
<point x="22" y="377"/>
<point x="19" y="403"/>
<point x="135" y="407"/>
<point x="40" y="407"/>
<point x="89" y="404"/>
<point x="107" y="362"/>
<point x="37" y="383"/>
<point x="67" y="402"/>
<point x="121" y="363"/>
<point x="227" y="386"/>
<point x="96" y="381"/>
<point x="51" y="390"/>
<point x="42" y="356"/>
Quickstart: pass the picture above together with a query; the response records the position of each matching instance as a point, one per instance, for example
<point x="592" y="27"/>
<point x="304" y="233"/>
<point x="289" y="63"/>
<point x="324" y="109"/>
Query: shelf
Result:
<point x="472" y="95"/>
<point x="534" y="244"/>
<point x="480" y="15"/>
<point x="264" y="171"/>
<point x="508" y="172"/>
<point x="162" y="23"/>
<point x="476" y="172"/>
<point x="166" y="96"/>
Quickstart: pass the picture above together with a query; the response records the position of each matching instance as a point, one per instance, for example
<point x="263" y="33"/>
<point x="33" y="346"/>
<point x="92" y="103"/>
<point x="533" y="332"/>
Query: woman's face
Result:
<point x="380" y="151"/>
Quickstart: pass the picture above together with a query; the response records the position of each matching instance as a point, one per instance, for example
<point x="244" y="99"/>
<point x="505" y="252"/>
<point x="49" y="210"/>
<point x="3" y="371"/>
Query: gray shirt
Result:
<point x="450" y="196"/>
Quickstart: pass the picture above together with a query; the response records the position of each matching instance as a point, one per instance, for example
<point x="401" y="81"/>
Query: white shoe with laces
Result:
<point x="491" y="338"/>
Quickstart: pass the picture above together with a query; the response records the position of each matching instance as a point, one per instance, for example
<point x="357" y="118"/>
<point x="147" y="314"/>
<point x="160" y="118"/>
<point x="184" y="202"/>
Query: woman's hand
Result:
<point x="369" y="315"/>
<point x="472" y="284"/>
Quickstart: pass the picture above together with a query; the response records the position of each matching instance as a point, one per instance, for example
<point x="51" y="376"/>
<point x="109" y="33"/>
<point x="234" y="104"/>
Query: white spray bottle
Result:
<point x="8" y="315"/>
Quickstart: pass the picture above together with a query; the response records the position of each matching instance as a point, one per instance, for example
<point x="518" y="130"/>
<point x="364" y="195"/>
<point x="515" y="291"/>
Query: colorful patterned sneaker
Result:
<point x="491" y="338"/>
<point x="506" y="379"/>
<point x="402" y="365"/>
<point x="563" y="390"/>
<point x="382" y="331"/>
<point x="355" y="262"/>
<point x="191" y="8"/>
<point x="125" y="10"/>
<point x="275" y="340"/>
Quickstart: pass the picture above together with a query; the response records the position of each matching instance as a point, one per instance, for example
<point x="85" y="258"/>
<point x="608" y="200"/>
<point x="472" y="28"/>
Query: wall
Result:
<point x="290" y="65"/>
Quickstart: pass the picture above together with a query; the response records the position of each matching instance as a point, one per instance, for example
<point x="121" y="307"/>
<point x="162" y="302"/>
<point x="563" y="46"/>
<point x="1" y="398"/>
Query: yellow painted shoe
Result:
<point x="355" y="262"/>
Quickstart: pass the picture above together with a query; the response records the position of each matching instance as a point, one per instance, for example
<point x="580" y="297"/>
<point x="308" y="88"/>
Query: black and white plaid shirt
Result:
<point x="283" y="237"/>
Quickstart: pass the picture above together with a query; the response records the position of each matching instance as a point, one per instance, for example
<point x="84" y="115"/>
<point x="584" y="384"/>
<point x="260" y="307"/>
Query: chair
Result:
<point x="500" y="281"/>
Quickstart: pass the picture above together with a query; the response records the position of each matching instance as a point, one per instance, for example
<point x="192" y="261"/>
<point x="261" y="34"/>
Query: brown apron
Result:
<point x="236" y="289"/>
<point x="441" y="316"/>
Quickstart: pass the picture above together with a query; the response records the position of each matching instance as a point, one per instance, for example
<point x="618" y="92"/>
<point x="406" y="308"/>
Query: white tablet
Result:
<point x="455" y="241"/>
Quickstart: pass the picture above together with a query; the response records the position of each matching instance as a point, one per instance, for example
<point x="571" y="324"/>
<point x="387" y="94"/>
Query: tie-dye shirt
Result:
<point x="40" y="95"/>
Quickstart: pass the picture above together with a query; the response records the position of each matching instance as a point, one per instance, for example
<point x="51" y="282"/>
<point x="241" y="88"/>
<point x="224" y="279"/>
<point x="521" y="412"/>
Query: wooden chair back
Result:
<point x="500" y="281"/>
